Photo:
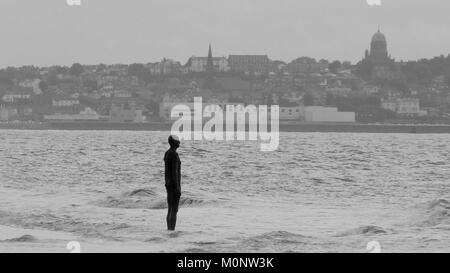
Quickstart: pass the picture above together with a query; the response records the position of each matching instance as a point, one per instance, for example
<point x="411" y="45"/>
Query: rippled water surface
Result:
<point x="320" y="192"/>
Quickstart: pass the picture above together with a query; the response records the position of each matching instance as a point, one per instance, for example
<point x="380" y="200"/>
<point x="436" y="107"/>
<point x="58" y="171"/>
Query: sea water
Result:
<point x="319" y="192"/>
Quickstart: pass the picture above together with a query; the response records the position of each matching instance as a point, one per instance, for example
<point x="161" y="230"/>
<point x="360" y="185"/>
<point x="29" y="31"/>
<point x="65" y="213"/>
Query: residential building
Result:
<point x="290" y="112"/>
<point x="15" y="113"/>
<point x="370" y="89"/>
<point x="306" y="65"/>
<point x="199" y="64"/>
<point x="326" y="114"/>
<point x="86" y="115"/>
<point x="122" y="94"/>
<point x="165" y="108"/>
<point x="402" y="106"/>
<point x="165" y="67"/>
<point x="4" y="114"/>
<point x="210" y="63"/>
<point x="65" y="101"/>
<point x="389" y="104"/>
<point x="12" y="97"/>
<point x="339" y="91"/>
<point x="250" y="64"/>
<point x="126" y="112"/>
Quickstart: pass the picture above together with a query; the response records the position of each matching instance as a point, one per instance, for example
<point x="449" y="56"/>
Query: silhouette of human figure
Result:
<point x="173" y="178"/>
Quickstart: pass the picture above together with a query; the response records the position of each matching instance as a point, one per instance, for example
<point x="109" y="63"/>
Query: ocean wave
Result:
<point x="200" y="150"/>
<point x="62" y="223"/>
<point x="196" y="250"/>
<point x="155" y="240"/>
<point x="148" y="199"/>
<point x="184" y="202"/>
<point x="363" y="230"/>
<point x="141" y="192"/>
<point x="274" y="238"/>
<point x="283" y="241"/>
<point x="120" y="226"/>
<point x="441" y="203"/>
<point x="280" y="241"/>
<point x="21" y="239"/>
<point x="436" y="212"/>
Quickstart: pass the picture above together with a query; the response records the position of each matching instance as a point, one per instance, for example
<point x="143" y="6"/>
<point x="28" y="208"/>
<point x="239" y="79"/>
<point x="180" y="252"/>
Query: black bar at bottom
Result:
<point x="220" y="262"/>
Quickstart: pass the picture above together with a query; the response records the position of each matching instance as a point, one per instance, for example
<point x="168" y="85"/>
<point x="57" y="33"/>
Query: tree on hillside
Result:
<point x="308" y="99"/>
<point x="76" y="69"/>
<point x="347" y="65"/>
<point x="334" y="66"/>
<point x="52" y="79"/>
<point x="139" y="71"/>
<point x="447" y="77"/>
<point x="61" y="69"/>
<point x="330" y="99"/>
<point x="364" y="69"/>
<point x="43" y="86"/>
<point x="5" y="78"/>
<point x="422" y="73"/>
<point x="90" y="84"/>
<point x="136" y="70"/>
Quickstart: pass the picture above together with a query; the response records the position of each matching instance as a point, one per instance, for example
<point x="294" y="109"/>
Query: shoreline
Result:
<point x="35" y="240"/>
<point x="283" y="127"/>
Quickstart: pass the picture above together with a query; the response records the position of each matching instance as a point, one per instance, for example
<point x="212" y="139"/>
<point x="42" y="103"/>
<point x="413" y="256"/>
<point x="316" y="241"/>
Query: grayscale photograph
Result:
<point x="225" y="126"/>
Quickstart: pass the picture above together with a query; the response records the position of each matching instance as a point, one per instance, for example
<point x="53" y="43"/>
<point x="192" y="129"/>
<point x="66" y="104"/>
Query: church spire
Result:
<point x="210" y="62"/>
<point x="209" y="81"/>
<point x="210" y="51"/>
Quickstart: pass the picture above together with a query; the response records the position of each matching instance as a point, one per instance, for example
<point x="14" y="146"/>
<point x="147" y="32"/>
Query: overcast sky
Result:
<point x="50" y="32"/>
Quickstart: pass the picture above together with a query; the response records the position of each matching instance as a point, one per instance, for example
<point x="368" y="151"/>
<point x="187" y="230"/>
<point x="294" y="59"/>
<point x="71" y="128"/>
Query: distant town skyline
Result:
<point x="45" y="33"/>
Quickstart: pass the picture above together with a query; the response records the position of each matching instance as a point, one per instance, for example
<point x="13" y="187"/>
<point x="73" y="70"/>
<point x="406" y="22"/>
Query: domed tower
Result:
<point x="378" y="48"/>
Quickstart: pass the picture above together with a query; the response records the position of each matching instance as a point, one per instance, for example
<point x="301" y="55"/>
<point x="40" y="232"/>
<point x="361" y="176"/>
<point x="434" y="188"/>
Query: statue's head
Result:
<point x="174" y="141"/>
